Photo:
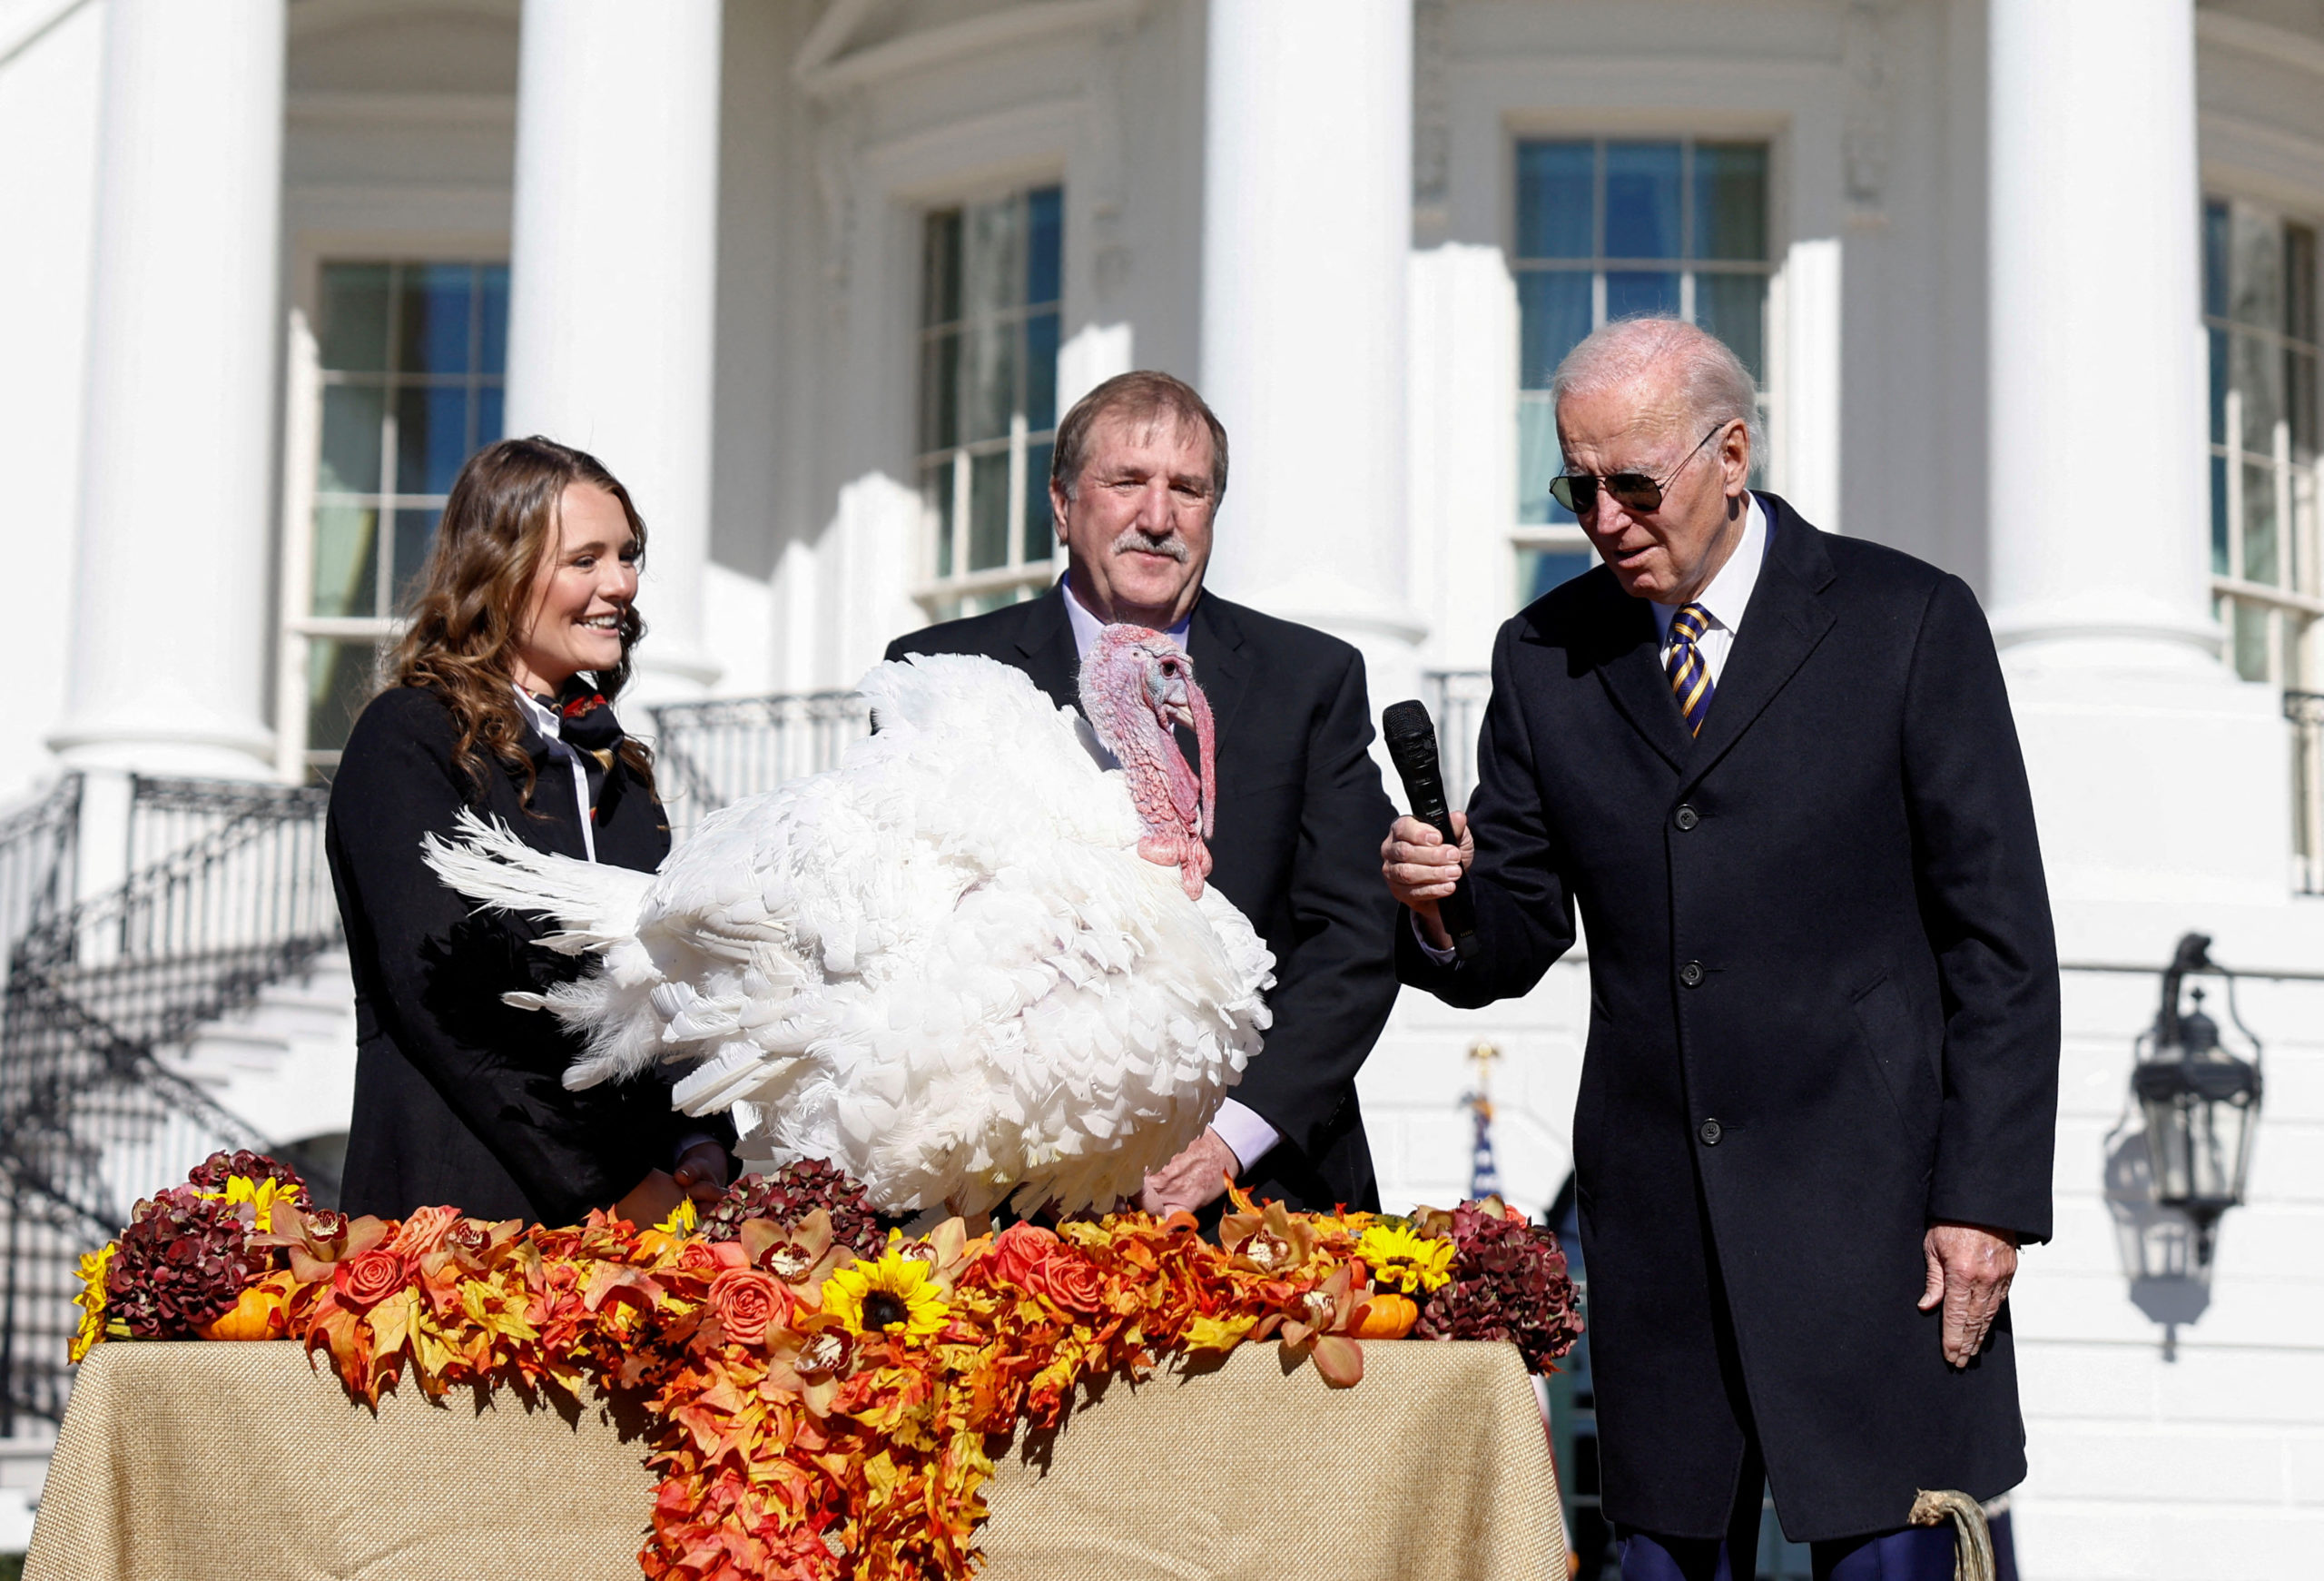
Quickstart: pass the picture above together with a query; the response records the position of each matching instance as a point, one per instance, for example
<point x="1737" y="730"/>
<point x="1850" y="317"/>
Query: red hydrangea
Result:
<point x="789" y="1195"/>
<point x="183" y="1261"/>
<point x="1509" y="1282"/>
<point x="213" y="1174"/>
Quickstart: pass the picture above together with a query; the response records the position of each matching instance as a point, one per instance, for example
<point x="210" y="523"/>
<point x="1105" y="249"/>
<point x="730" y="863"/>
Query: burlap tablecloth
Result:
<point x="238" y="1462"/>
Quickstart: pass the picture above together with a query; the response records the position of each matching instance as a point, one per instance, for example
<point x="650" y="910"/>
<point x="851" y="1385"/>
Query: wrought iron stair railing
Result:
<point x="709" y="755"/>
<point x="92" y="1116"/>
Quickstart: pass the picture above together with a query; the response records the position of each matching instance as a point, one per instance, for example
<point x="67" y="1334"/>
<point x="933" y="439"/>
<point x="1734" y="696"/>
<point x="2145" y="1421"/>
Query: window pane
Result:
<point x="489" y="425"/>
<point x="995" y="263"/>
<point x="341" y="678"/>
<point x="435" y="318"/>
<point x="2256" y="286"/>
<point x="1045" y="249"/>
<point x="939" y="396"/>
<point x="936" y="498"/>
<point x="1629" y="291"/>
<point x="2259" y="379"/>
<point x="347" y="561"/>
<point x="1554" y="198"/>
<point x="2218" y="338"/>
<point x="431" y="436"/>
<point x="415" y="532"/>
<point x="492" y="351"/>
<point x="988" y="392"/>
<point x="939" y="291"/>
<point x="1731" y="200"/>
<point x="1734" y="307"/>
<point x="1040" y="532"/>
<point x="2299" y="283"/>
<point x="988" y="512"/>
<point x="2219" y="516"/>
<point x="353" y="332"/>
<point x="2215" y="265"/>
<point x="1539" y="570"/>
<point x="1553" y="314"/>
<point x="2259" y="526"/>
<point x="2299" y="403"/>
<point x="1538" y="460"/>
<point x="350" y="460"/>
<point x="2251" y="642"/>
<point x="1642" y="200"/>
<point x="1040" y="372"/>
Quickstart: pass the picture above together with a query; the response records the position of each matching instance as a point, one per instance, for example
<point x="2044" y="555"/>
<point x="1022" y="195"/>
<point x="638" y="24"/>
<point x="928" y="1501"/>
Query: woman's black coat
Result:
<point x="458" y="1098"/>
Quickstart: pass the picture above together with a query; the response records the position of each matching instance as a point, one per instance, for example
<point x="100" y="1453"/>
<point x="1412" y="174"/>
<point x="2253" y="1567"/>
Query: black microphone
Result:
<point x="1410" y="736"/>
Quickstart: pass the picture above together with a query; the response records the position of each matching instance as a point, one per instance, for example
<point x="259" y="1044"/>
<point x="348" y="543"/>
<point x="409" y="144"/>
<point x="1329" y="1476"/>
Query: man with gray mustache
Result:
<point x="1136" y="475"/>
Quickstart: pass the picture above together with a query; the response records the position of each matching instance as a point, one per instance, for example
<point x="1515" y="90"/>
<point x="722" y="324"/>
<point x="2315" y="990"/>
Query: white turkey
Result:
<point x="969" y="959"/>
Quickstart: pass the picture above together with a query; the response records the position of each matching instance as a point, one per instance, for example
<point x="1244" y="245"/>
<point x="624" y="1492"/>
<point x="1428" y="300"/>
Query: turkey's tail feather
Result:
<point x="598" y="905"/>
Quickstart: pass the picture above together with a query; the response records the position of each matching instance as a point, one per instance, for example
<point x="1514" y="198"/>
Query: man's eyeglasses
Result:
<point x="1633" y="492"/>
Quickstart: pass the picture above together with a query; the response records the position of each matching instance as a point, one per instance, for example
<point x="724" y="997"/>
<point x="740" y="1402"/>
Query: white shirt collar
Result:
<point x="1087" y="626"/>
<point x="543" y="718"/>
<point x="1730" y="593"/>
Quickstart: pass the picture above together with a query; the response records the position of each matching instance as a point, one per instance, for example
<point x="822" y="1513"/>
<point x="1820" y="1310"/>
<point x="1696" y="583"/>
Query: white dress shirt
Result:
<point x="551" y="729"/>
<point x="1247" y="1136"/>
<point x="1724" y="601"/>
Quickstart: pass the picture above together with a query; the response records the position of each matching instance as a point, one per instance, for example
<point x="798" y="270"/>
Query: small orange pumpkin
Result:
<point x="1387" y="1317"/>
<point x="262" y="1313"/>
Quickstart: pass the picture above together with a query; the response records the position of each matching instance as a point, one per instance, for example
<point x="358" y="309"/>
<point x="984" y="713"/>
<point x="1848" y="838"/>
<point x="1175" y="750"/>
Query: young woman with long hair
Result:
<point x="497" y="701"/>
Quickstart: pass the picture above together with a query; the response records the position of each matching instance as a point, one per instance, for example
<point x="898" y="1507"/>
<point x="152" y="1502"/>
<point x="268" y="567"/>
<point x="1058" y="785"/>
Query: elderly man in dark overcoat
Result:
<point x="1775" y="772"/>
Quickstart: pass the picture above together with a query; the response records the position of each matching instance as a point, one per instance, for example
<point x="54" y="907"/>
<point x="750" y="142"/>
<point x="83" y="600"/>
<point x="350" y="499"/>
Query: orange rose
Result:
<point x="1067" y="1281"/>
<point x="748" y="1303"/>
<point x="425" y="1230"/>
<point x="367" y="1276"/>
<point x="696" y="1257"/>
<point x="1012" y="1258"/>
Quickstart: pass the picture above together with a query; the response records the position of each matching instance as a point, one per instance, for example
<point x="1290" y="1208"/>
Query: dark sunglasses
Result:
<point x="1633" y="492"/>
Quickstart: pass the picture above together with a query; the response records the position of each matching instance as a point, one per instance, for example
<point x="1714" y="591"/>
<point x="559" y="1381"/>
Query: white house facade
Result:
<point x="2031" y="287"/>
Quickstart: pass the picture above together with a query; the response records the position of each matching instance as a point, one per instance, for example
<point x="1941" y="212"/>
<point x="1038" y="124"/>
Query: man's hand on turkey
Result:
<point x="702" y="1173"/>
<point x="1422" y="869"/>
<point x="1194" y="1179"/>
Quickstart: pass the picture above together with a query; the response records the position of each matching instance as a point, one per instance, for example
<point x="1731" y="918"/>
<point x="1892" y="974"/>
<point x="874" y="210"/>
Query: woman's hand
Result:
<point x="651" y="1201"/>
<point x="702" y="1173"/>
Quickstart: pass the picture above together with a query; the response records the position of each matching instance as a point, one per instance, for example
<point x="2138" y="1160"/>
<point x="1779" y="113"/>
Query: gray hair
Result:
<point x="1716" y="385"/>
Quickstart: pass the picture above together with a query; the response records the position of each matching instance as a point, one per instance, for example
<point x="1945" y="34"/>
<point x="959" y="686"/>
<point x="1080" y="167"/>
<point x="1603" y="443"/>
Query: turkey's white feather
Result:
<point x="941" y="967"/>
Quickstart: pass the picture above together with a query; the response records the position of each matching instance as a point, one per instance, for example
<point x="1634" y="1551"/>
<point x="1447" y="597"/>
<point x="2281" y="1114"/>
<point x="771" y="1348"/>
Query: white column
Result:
<point x="170" y="614"/>
<point x="613" y="267"/>
<point x="1306" y="230"/>
<point x="2157" y="777"/>
<point x="2095" y="492"/>
<point x="1807" y="340"/>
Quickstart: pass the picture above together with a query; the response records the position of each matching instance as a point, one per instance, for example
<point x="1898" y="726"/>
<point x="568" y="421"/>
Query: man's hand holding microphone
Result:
<point x="1427" y="854"/>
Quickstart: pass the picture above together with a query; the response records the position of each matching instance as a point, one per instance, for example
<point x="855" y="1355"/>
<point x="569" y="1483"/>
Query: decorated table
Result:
<point x="785" y="1388"/>
<point x="180" y="1462"/>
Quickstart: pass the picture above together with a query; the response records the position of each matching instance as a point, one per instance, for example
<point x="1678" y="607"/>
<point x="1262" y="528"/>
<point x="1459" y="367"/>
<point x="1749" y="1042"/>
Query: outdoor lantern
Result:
<point x="2202" y="1102"/>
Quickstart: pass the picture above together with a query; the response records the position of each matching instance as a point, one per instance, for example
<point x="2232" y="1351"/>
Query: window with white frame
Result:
<point x="1604" y="229"/>
<point x="2260" y="290"/>
<point x="992" y="281"/>
<point x="411" y="361"/>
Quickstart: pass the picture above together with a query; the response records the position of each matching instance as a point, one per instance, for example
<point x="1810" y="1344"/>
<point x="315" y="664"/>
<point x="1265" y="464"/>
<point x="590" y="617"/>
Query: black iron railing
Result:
<point x="711" y="754"/>
<point x="91" y="1116"/>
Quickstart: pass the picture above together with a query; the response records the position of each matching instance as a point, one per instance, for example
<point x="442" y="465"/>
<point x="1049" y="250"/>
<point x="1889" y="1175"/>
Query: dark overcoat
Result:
<point x="1824" y="1011"/>
<point x="1300" y="817"/>
<point x="458" y="1098"/>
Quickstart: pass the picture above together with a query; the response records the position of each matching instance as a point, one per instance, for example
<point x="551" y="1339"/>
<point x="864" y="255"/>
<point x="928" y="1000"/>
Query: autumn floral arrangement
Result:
<point x="829" y="1394"/>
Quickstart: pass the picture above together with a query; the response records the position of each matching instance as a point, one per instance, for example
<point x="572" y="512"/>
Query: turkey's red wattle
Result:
<point x="1129" y="680"/>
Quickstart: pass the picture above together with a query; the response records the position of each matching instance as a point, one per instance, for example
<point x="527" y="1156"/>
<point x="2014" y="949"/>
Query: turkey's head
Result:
<point x="1137" y="687"/>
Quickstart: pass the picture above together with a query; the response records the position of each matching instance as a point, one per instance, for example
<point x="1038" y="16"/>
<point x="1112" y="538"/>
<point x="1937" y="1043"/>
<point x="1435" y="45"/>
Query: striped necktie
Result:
<point x="1690" y="680"/>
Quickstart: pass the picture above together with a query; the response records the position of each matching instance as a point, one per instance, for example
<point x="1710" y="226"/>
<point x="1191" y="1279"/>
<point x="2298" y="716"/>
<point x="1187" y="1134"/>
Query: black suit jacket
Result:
<point x="459" y="1099"/>
<point x="1300" y="817"/>
<point x="1824" y="1011"/>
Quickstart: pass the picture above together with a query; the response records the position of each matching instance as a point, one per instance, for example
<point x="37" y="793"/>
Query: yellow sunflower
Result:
<point x="92" y="1300"/>
<point x="1412" y="1263"/>
<point x="263" y="1194"/>
<point x="894" y="1296"/>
